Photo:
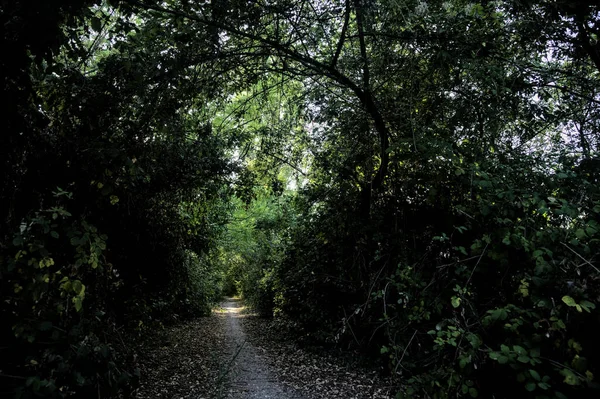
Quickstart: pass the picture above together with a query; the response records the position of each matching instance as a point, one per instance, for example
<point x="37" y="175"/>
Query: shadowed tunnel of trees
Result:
<point x="417" y="181"/>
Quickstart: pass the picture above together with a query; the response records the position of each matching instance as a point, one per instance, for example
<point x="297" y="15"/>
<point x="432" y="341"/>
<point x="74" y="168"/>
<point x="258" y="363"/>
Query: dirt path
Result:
<point x="235" y="355"/>
<point x="251" y="377"/>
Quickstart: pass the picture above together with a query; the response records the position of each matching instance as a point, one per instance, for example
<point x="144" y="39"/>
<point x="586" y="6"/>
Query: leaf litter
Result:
<point x="235" y="354"/>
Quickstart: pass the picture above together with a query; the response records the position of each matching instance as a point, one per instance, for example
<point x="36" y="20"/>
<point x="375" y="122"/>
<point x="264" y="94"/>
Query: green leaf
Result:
<point x="499" y="314"/>
<point x="535" y="375"/>
<point x="78" y="303"/>
<point x="571" y="380"/>
<point x="67" y="286"/>
<point x="455" y="301"/>
<point x="587" y="305"/>
<point x="543" y="385"/>
<point x="80" y="379"/>
<point x="503" y="359"/>
<point x="78" y="287"/>
<point x="570" y="377"/>
<point x="46" y="262"/>
<point x="519" y="349"/>
<point x="530" y="386"/>
<point x="569" y="301"/>
<point x="541" y="266"/>
<point x="523" y="359"/>
<point x="474" y="340"/>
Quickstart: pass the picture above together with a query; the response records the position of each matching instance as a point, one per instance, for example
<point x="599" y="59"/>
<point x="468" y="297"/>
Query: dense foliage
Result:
<point x="108" y="184"/>
<point x="415" y="180"/>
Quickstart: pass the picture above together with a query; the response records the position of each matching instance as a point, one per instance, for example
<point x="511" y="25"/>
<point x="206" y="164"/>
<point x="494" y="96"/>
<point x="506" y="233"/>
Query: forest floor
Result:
<point x="236" y="354"/>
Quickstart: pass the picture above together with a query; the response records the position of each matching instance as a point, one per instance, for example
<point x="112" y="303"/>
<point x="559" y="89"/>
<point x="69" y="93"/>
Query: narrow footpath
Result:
<point x="234" y="355"/>
<point x="250" y="376"/>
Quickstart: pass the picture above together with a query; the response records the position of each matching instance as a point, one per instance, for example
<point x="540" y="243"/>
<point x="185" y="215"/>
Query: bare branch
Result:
<point x="361" y="39"/>
<point x="288" y="163"/>
<point x="340" y="44"/>
<point x="364" y="95"/>
<point x="581" y="257"/>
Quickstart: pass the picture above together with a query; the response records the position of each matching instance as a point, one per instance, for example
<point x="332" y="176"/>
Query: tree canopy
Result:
<point x="414" y="180"/>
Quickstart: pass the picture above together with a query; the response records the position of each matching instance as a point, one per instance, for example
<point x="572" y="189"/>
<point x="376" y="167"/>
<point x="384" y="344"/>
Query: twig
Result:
<point x="458" y="261"/>
<point x="558" y="364"/>
<point x="404" y="353"/>
<point x="371" y="288"/>
<point x="466" y="214"/>
<point x="475" y="267"/>
<point x="350" y="327"/>
<point x="288" y="163"/>
<point x="581" y="257"/>
<point x="387" y="321"/>
<point x="384" y="295"/>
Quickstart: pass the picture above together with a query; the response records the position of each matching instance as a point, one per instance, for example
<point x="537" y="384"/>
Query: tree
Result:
<point x="413" y="179"/>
